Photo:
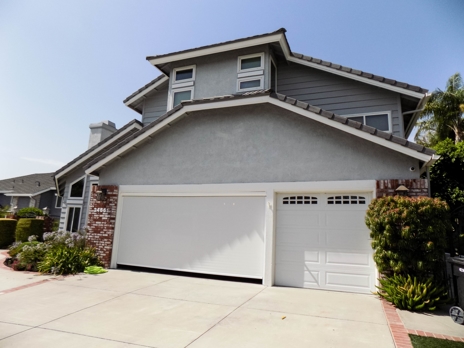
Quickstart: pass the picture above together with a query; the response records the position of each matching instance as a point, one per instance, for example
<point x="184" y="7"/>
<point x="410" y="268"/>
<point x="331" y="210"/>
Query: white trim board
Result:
<point x="29" y="194"/>
<point x="254" y="101"/>
<point x="146" y="91"/>
<point x="216" y="49"/>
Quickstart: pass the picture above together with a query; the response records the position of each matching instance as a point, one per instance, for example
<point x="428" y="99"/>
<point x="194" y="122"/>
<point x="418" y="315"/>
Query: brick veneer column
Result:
<point x="101" y="221"/>
<point x="417" y="187"/>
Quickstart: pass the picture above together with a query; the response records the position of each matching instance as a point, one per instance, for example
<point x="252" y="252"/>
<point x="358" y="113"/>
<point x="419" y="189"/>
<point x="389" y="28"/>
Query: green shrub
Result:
<point x="29" y="227"/>
<point x="16" y="248"/>
<point x="7" y="232"/>
<point x="30" y="212"/>
<point x="64" y="238"/>
<point x="68" y="260"/>
<point x="409" y="235"/>
<point x="411" y="294"/>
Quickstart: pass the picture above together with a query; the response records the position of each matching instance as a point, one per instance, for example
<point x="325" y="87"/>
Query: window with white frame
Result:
<point x="250" y="72"/>
<point x="379" y="120"/>
<point x="73" y="219"/>
<point x="182" y="85"/>
<point x="76" y="189"/>
<point x="58" y="202"/>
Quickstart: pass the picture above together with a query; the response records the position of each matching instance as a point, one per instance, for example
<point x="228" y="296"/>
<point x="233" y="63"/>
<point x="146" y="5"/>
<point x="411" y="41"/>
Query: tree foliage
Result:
<point x="447" y="183"/>
<point x="442" y="117"/>
<point x="409" y="235"/>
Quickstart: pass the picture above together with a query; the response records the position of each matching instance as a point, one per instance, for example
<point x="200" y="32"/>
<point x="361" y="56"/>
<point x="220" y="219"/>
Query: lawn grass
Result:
<point x="430" y="342"/>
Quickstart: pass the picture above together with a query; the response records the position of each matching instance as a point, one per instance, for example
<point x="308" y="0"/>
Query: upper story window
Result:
<point x="77" y="189"/>
<point x="182" y="86"/>
<point x="250" y="72"/>
<point x="379" y="120"/>
<point x="184" y="74"/>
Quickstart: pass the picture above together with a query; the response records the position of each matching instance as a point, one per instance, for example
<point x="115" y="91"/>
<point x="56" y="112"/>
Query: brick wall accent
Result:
<point x="417" y="187"/>
<point x="101" y="222"/>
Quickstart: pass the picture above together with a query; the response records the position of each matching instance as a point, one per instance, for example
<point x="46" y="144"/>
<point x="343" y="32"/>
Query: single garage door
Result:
<point x="221" y="235"/>
<point x="322" y="242"/>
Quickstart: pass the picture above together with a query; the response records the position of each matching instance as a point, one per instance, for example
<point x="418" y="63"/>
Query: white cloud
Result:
<point x="44" y="161"/>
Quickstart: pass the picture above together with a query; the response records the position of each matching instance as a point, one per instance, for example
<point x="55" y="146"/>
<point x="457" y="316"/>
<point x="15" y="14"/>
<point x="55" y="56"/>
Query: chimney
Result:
<point x="100" y="131"/>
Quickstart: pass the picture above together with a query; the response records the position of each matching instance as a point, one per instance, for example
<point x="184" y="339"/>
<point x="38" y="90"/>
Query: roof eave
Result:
<point x="275" y="37"/>
<point x="329" y="119"/>
<point x="416" y="115"/>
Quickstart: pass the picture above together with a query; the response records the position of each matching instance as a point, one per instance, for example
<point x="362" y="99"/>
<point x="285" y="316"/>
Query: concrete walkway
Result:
<point x="127" y="309"/>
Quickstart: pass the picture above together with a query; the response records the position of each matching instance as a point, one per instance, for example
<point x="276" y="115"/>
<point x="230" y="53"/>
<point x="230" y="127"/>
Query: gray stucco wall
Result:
<point x="216" y="74"/>
<point x="255" y="144"/>
<point x="155" y="105"/>
<point x="340" y="95"/>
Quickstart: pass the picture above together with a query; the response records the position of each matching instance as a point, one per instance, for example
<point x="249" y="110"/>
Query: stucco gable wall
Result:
<point x="260" y="143"/>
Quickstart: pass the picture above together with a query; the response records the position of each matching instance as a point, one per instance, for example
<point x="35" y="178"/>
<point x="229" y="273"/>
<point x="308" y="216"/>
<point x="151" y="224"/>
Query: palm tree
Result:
<point x="443" y="115"/>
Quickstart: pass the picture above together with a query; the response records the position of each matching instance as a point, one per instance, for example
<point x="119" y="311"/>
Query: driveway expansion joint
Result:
<point x="212" y="327"/>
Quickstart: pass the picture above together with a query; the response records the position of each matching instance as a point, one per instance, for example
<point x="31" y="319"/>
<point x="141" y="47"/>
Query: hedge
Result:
<point x="29" y="227"/>
<point x="7" y="232"/>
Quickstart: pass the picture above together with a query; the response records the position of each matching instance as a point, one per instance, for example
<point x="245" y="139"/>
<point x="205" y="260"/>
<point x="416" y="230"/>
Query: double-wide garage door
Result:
<point x="205" y="234"/>
<point x="322" y="242"/>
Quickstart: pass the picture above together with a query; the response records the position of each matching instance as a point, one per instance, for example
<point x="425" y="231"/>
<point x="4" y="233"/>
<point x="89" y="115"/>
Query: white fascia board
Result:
<point x="253" y="101"/>
<point x="29" y="194"/>
<point x="415" y="117"/>
<point x="83" y="159"/>
<point x="356" y="132"/>
<point x="146" y="91"/>
<point x="357" y="78"/>
<point x="217" y="49"/>
<point x="6" y="191"/>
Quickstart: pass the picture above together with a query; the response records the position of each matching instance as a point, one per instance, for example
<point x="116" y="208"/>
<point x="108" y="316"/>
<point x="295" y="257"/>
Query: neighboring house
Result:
<point x="73" y="184"/>
<point x="255" y="161"/>
<point x="34" y="190"/>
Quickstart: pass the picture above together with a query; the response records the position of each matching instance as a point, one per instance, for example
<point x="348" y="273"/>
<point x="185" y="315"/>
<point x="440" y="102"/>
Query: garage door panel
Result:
<point x="347" y="239"/>
<point x="334" y="254"/>
<point x="347" y="280"/>
<point x="218" y="235"/>
<point x="298" y="237"/>
<point x="348" y="259"/>
<point x="301" y="219"/>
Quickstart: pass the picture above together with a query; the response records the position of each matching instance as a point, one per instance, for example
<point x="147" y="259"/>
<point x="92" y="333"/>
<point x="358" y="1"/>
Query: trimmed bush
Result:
<point x="7" y="232"/>
<point x="409" y="235"/>
<point x="30" y="212"/>
<point x="29" y="227"/>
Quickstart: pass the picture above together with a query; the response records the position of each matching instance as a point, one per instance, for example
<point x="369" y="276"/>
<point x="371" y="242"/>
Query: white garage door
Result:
<point x="214" y="235"/>
<point x="322" y="242"/>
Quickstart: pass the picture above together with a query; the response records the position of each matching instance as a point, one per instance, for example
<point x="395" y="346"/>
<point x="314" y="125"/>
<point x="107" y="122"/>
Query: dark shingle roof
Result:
<point x="100" y="144"/>
<point x="281" y="30"/>
<point x="361" y="73"/>
<point x="28" y="184"/>
<point x="329" y="115"/>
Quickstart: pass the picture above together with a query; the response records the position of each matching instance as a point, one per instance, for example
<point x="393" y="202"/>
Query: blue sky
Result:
<point x="66" y="64"/>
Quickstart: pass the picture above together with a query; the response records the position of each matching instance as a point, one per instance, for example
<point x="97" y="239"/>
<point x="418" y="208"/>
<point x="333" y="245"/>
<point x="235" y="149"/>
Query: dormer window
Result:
<point x="182" y="86"/>
<point x="379" y="120"/>
<point x="250" y="72"/>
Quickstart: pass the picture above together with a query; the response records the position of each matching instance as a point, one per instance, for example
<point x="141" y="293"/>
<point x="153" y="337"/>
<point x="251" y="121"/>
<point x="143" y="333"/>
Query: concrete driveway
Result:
<point x="130" y="309"/>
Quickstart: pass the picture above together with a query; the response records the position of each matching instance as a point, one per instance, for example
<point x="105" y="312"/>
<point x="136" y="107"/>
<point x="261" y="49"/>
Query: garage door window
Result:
<point x="346" y="200"/>
<point x="299" y="200"/>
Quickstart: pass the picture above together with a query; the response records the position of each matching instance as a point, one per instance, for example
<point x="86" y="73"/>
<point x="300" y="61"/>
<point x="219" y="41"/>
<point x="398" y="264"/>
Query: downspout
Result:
<point x="428" y="180"/>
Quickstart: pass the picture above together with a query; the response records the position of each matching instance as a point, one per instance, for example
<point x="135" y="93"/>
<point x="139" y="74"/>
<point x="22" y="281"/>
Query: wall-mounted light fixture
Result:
<point x="402" y="190"/>
<point x="101" y="195"/>
<point x="45" y="211"/>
